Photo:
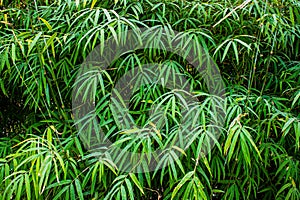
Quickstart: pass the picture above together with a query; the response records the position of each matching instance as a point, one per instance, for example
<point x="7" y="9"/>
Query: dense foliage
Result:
<point x="256" y="47"/>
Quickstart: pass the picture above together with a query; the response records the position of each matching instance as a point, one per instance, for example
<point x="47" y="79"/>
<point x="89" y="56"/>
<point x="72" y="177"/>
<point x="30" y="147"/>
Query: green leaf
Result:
<point x="296" y="98"/>
<point x="59" y="194"/>
<point x="46" y="23"/>
<point x="136" y="182"/>
<point x="130" y="190"/>
<point x="33" y="43"/>
<point x="72" y="192"/>
<point x="235" y="52"/>
<point x="186" y="178"/>
<point x="226" y="50"/>
<point x="49" y="42"/>
<point x="27" y="186"/>
<point x="79" y="189"/>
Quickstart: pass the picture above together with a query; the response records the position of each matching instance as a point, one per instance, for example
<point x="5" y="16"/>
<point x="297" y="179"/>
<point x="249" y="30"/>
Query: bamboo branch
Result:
<point x="240" y="6"/>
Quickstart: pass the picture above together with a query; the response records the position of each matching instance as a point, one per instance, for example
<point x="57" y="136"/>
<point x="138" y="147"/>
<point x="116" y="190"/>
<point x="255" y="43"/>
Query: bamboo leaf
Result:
<point x="136" y="182"/>
<point x="182" y="182"/>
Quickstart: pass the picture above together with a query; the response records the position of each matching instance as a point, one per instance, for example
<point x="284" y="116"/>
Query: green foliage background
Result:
<point x="43" y="43"/>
